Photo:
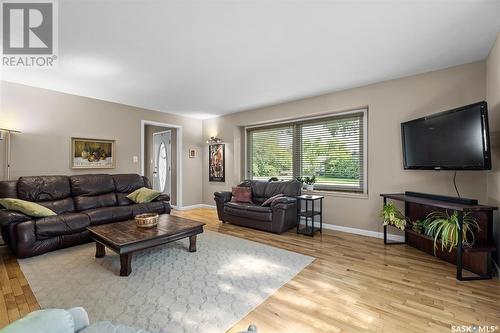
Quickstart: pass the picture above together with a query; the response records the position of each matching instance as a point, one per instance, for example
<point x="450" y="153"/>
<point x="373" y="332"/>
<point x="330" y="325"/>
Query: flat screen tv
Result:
<point x="457" y="139"/>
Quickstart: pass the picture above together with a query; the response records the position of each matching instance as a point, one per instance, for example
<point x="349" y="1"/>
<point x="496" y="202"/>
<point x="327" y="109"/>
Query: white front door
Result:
<point x="162" y="162"/>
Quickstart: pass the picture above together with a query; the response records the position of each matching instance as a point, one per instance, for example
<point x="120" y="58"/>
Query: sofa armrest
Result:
<point x="162" y="197"/>
<point x="223" y="196"/>
<point x="284" y="214"/>
<point x="9" y="216"/>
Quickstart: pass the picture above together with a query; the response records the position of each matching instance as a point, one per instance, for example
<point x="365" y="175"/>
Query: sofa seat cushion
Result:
<point x="250" y="211"/>
<point x="109" y="214"/>
<point x="64" y="224"/>
<point x="148" y="207"/>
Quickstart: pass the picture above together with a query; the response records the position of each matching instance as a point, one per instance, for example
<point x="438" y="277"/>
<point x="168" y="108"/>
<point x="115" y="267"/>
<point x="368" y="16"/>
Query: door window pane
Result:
<point x="162" y="166"/>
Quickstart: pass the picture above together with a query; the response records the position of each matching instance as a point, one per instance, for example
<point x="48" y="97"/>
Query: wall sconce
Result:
<point x="214" y="139"/>
<point x="8" y="150"/>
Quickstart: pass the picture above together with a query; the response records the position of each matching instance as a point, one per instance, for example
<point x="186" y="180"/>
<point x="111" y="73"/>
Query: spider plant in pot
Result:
<point x="392" y="216"/>
<point x="444" y="227"/>
<point x="310" y="182"/>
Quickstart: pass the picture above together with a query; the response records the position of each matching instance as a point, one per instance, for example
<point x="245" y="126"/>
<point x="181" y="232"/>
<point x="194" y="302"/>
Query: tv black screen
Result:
<point x="457" y="139"/>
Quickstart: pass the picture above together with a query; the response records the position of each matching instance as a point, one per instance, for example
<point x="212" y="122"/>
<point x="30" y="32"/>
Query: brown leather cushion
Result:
<point x="250" y="211"/>
<point x="289" y="188"/>
<point x="60" y="206"/>
<point x="83" y="202"/>
<point x="128" y="183"/>
<point x="122" y="200"/>
<point x="64" y="224"/>
<point x="43" y="188"/>
<point x="91" y="184"/>
<point x="241" y="194"/>
<point x="8" y="189"/>
<point x="109" y="214"/>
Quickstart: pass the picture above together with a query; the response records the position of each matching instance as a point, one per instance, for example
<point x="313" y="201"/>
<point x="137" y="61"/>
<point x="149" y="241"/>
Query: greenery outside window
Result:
<point x="332" y="148"/>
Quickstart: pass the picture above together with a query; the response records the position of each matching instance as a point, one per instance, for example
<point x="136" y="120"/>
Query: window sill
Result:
<point x="337" y="194"/>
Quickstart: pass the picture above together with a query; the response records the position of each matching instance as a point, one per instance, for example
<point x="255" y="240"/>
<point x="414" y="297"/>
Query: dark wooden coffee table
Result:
<point x="125" y="237"/>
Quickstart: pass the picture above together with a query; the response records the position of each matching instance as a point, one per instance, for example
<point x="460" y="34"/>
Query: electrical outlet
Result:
<point x="135" y="159"/>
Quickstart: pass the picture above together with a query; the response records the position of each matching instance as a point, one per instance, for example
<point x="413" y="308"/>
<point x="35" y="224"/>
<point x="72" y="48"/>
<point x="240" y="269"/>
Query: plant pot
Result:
<point x="309" y="187"/>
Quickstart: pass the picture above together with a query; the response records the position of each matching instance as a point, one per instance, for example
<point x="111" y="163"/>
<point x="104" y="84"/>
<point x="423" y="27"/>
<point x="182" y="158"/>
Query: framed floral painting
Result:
<point x="92" y="154"/>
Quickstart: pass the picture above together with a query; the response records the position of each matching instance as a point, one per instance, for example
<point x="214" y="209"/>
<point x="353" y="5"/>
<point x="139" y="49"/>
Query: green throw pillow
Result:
<point x="26" y="207"/>
<point x="143" y="195"/>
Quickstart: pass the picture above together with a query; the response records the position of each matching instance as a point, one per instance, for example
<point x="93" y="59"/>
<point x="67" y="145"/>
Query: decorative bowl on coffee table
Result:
<point x="147" y="220"/>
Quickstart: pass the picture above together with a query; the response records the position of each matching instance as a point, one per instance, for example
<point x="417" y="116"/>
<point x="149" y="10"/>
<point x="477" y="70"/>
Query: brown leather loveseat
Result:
<point x="79" y="201"/>
<point x="280" y="216"/>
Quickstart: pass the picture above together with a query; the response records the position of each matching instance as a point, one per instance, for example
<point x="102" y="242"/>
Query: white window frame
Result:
<point x="363" y="110"/>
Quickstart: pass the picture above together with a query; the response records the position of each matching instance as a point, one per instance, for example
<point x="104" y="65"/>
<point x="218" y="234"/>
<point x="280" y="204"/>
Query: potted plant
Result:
<point x="419" y="225"/>
<point x="310" y="182"/>
<point x="443" y="227"/>
<point x="392" y="216"/>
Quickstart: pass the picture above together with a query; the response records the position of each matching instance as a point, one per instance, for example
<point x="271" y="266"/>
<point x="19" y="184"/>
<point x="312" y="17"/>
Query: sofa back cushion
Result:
<point x="126" y="184"/>
<point x="43" y="188"/>
<point x="93" y="191"/>
<point x="263" y="190"/>
<point x="8" y="189"/>
<point x="53" y="192"/>
<point x="289" y="188"/>
<point x="129" y="182"/>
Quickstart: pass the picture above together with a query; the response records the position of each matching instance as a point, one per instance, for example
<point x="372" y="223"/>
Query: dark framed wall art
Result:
<point x="216" y="163"/>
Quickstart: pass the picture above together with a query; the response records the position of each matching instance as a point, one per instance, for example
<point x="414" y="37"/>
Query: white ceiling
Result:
<point x="205" y="58"/>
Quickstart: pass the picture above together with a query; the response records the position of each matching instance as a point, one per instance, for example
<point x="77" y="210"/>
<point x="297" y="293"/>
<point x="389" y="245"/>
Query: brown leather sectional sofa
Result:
<point x="79" y="201"/>
<point x="279" y="217"/>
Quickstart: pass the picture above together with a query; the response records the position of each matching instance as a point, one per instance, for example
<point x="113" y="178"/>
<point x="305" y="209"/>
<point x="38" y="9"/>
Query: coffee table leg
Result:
<point x="126" y="264"/>
<point x="100" y="250"/>
<point x="192" y="243"/>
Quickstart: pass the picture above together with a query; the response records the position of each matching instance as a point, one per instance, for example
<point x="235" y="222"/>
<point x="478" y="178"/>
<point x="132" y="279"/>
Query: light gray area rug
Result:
<point x="170" y="289"/>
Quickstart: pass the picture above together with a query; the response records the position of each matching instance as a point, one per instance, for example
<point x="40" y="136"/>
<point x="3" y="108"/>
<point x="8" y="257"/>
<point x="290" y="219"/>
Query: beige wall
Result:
<point x="493" y="99"/>
<point x="389" y="104"/>
<point x="48" y="119"/>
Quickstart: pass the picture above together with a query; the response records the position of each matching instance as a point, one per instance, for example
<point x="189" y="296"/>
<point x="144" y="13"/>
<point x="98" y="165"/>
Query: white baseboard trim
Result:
<point x="362" y="232"/>
<point x="193" y="207"/>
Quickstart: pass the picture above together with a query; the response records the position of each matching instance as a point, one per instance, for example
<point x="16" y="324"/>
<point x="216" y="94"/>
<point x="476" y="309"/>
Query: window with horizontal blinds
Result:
<point x="330" y="148"/>
<point x="270" y="152"/>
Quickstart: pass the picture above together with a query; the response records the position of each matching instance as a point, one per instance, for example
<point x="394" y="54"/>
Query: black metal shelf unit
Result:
<point x="308" y="213"/>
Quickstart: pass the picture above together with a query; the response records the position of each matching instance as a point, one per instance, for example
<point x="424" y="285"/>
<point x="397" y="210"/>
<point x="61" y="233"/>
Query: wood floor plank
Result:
<point x="355" y="284"/>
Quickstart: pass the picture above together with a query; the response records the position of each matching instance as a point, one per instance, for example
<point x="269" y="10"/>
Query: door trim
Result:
<point x="178" y="128"/>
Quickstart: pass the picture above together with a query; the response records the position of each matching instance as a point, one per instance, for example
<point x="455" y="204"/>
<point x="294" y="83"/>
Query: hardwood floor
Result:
<point x="356" y="284"/>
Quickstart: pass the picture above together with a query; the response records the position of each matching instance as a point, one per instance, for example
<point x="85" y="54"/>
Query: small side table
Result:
<point x="309" y="213"/>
